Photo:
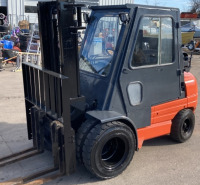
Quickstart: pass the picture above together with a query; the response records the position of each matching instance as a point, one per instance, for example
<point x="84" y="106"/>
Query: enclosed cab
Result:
<point x="133" y="78"/>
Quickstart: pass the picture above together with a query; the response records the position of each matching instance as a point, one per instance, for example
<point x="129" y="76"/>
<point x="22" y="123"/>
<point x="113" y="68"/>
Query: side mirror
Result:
<point x="86" y="17"/>
<point x="124" y="17"/>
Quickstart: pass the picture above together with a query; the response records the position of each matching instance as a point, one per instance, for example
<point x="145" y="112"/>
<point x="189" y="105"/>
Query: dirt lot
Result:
<point x="160" y="161"/>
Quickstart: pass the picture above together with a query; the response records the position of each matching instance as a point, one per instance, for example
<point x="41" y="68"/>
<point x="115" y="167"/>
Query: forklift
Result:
<point x="129" y="82"/>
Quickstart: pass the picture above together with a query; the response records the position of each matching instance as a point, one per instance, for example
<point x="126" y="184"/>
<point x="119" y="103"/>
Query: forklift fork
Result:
<point x="49" y="101"/>
<point x="18" y="156"/>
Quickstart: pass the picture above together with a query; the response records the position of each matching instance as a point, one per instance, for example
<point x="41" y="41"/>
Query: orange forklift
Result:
<point x="124" y="87"/>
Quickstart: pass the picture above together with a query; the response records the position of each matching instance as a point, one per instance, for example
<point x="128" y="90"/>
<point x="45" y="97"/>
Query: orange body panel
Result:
<point x="162" y="115"/>
<point x="153" y="131"/>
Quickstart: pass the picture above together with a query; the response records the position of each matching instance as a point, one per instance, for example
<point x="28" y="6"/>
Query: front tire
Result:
<point x="108" y="149"/>
<point x="81" y="136"/>
<point x="183" y="125"/>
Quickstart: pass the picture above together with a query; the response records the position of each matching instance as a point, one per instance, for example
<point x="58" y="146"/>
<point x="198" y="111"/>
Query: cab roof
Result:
<point x="133" y="6"/>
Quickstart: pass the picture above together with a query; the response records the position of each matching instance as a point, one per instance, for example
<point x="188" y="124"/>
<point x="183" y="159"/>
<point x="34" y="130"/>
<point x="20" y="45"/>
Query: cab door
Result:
<point x="151" y="71"/>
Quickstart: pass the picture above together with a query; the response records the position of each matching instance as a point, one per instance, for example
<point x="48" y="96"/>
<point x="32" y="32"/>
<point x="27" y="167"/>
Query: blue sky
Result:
<point x="183" y="5"/>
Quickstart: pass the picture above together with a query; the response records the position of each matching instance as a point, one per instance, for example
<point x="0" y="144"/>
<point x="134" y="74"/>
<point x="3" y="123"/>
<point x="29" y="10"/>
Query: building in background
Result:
<point x="18" y="10"/>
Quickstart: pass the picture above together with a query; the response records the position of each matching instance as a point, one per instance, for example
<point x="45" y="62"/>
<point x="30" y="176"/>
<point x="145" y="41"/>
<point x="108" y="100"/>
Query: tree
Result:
<point x="195" y="6"/>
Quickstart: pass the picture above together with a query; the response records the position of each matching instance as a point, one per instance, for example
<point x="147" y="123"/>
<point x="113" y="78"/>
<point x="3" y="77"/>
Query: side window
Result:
<point x="155" y="37"/>
<point x="166" y="41"/>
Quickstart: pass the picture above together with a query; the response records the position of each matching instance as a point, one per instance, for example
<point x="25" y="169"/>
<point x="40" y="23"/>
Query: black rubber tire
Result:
<point x="108" y="149"/>
<point x="24" y="40"/>
<point x="24" y="36"/>
<point x="4" y="28"/>
<point x="183" y="125"/>
<point x="81" y="136"/>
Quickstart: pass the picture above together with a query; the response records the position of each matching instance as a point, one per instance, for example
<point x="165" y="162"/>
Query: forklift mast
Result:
<point x="59" y="22"/>
<point x="52" y="89"/>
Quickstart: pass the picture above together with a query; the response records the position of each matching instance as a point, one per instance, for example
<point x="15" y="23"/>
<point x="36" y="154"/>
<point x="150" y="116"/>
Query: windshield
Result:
<point x="100" y="45"/>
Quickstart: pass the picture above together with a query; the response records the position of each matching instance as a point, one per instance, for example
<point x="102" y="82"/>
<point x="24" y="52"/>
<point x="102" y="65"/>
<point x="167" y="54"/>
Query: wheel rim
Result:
<point x="114" y="153"/>
<point x="186" y="127"/>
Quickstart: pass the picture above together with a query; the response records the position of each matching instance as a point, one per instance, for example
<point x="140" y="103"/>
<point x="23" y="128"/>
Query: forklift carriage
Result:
<point x="129" y="83"/>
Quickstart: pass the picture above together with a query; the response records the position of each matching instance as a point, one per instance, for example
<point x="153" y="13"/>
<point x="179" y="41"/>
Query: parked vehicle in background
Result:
<point x="190" y="28"/>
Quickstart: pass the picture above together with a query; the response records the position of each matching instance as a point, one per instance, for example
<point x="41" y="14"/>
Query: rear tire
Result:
<point x="108" y="149"/>
<point x="183" y="125"/>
